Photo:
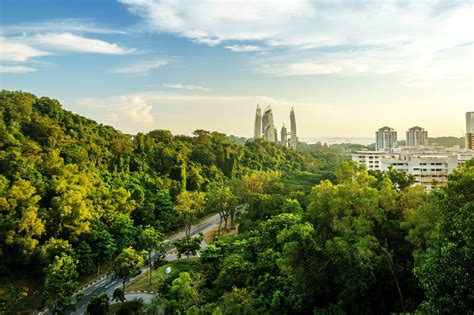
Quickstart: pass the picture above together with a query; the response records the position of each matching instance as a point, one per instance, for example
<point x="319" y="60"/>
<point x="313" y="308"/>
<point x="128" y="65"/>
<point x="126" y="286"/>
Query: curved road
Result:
<point x="108" y="284"/>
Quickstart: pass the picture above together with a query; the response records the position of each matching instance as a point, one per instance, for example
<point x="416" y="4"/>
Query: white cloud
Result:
<point x="74" y="25"/>
<point x="244" y="48"/>
<point x="72" y="42"/>
<point x="303" y="68"/>
<point x="16" y="69"/>
<point x="313" y="37"/>
<point x="186" y="87"/>
<point x="211" y="22"/>
<point x="304" y="22"/>
<point x="12" y="50"/>
<point x="142" y="67"/>
<point x="129" y="113"/>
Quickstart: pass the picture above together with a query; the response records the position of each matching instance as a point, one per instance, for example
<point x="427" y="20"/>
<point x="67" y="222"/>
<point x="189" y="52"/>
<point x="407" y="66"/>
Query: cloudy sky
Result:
<point x="347" y="67"/>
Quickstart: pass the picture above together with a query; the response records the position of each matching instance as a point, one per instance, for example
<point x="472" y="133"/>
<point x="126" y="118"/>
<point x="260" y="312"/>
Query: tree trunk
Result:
<point x="389" y="260"/>
<point x="232" y="215"/>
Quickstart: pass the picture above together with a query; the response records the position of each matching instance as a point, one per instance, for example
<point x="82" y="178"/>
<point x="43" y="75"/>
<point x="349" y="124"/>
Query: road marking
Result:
<point x="98" y="283"/>
<point x="111" y="284"/>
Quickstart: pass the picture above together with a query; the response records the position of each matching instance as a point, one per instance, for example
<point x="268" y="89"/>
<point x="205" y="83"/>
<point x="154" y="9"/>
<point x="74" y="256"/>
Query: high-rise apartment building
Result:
<point x="385" y="139"/>
<point x="294" y="136"/>
<point x="258" y="123"/>
<point x="417" y="136"/>
<point x="470" y="130"/>
<point x="284" y="136"/>
<point x="268" y="126"/>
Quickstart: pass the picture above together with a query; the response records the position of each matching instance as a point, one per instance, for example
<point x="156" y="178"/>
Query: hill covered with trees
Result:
<point x="69" y="184"/>
<point x="316" y="234"/>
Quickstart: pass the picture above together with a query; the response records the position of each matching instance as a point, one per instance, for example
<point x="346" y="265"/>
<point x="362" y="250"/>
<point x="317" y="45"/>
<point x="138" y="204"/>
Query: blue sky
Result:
<point x="347" y="67"/>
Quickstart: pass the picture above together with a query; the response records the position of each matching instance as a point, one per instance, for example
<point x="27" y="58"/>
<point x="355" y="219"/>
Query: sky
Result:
<point x="347" y="67"/>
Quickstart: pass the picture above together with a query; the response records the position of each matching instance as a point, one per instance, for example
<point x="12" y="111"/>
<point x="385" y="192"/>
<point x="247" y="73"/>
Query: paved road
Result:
<point x="108" y="284"/>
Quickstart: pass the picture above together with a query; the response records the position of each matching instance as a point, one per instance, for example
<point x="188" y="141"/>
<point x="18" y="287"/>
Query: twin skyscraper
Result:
<point x="265" y="128"/>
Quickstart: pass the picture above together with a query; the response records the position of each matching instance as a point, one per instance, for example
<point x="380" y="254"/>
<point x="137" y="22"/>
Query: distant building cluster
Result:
<point x="430" y="165"/>
<point x="265" y="128"/>
<point x="386" y="138"/>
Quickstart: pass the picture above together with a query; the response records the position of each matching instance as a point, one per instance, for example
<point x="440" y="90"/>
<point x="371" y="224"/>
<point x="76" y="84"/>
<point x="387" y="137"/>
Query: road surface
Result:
<point x="108" y="284"/>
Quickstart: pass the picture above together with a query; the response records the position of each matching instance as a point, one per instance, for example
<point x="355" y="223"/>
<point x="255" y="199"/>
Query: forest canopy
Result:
<point x="318" y="234"/>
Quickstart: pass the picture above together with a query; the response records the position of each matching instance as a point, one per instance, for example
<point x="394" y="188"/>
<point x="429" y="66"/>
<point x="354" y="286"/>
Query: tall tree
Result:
<point x="150" y="240"/>
<point x="446" y="270"/>
<point x="60" y="284"/>
<point x="127" y="264"/>
<point x="223" y="200"/>
<point x="188" y="205"/>
<point x="98" y="305"/>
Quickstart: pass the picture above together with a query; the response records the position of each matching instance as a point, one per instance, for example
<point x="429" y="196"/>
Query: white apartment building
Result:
<point x="417" y="136"/>
<point x="430" y="166"/>
<point x="385" y="139"/>
<point x="372" y="159"/>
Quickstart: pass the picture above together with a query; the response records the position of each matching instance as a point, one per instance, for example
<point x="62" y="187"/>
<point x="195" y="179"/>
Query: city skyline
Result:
<point x="144" y="65"/>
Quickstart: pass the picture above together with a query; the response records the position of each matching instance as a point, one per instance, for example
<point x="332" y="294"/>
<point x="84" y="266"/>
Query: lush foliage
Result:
<point x="355" y="248"/>
<point x="70" y="185"/>
<point x="315" y="234"/>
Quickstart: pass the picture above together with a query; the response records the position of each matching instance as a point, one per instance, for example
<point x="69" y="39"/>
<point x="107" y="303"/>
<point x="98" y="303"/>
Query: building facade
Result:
<point x="294" y="136"/>
<point x="268" y="126"/>
<point x="430" y="165"/>
<point x="385" y="139"/>
<point x="258" y="123"/>
<point x="470" y="130"/>
<point x="417" y="136"/>
<point x="284" y="136"/>
<point x="370" y="158"/>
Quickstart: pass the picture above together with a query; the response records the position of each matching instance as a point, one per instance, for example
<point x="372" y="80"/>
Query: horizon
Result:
<point x="145" y="65"/>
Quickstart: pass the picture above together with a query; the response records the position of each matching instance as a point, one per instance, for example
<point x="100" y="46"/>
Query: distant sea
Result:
<point x="335" y="140"/>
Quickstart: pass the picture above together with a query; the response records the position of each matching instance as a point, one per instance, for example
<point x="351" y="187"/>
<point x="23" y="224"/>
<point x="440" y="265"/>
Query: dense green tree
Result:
<point x="54" y="247"/>
<point x="98" y="305"/>
<point x="60" y="284"/>
<point x="124" y="231"/>
<point x="85" y="258"/>
<point x="188" y="206"/>
<point x="188" y="246"/>
<point x="222" y="199"/>
<point x="11" y="299"/>
<point x="151" y="241"/>
<point x="21" y="225"/>
<point x="237" y="302"/>
<point x="70" y="212"/>
<point x="183" y="292"/>
<point x="118" y="295"/>
<point x="127" y="264"/>
<point x="446" y="270"/>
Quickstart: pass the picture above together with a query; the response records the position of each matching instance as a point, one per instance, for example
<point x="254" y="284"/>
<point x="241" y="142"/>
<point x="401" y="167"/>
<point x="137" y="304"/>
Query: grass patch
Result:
<point x="158" y="276"/>
<point x="210" y="236"/>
